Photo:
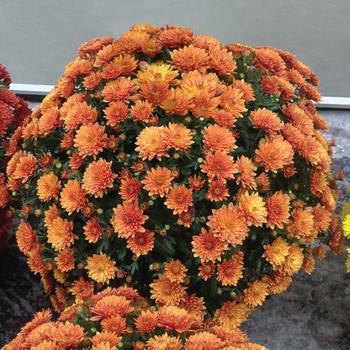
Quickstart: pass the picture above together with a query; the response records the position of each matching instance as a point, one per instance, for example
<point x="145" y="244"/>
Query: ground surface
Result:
<point x="314" y="314"/>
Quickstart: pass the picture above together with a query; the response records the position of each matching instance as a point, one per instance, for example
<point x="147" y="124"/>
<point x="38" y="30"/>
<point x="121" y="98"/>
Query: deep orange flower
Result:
<point x="228" y="224"/>
<point x="114" y="324"/>
<point x="129" y="189"/>
<point x="141" y="243"/>
<point x="166" y="292"/>
<point x="221" y="61"/>
<point x="100" y="268"/>
<point x="142" y="110"/>
<point x="48" y="186"/>
<point x="293" y="261"/>
<point x="206" y="270"/>
<point x="75" y="161"/>
<point x="266" y="120"/>
<point x="93" y="230"/>
<point x="151" y="144"/>
<point x="277" y="206"/>
<point x="208" y="247"/>
<point x="65" y="260"/>
<point x="118" y="90"/>
<point x="98" y="177"/>
<point x="232" y="101"/>
<point x="274" y="153"/>
<point x="203" y="340"/>
<point x="73" y="197"/>
<point x="189" y="58"/>
<point x="268" y="59"/>
<point x="196" y="182"/>
<point x="105" y="340"/>
<point x="276" y="252"/>
<point x="116" y="112"/>
<point x="68" y="335"/>
<point x="253" y="209"/>
<point x="232" y="313"/>
<point x="82" y="289"/>
<point x="175" y="318"/>
<point x="164" y="341"/>
<point x="158" y="181"/>
<point x="177" y="136"/>
<point x="176" y="102"/>
<point x="179" y="199"/>
<point x="302" y="225"/>
<point x="219" y="165"/>
<point x="269" y="84"/>
<point x="224" y="118"/>
<point x="26" y="237"/>
<point x="323" y="218"/>
<point x="128" y="219"/>
<point x="217" y="191"/>
<point x="246" y="89"/>
<point x="25" y="167"/>
<point x="60" y="233"/>
<point x="77" y="114"/>
<point x="246" y="172"/>
<point x="92" y="80"/>
<point x="256" y="293"/>
<point x="146" y="322"/>
<point x="231" y="271"/>
<point x="48" y="121"/>
<point x="90" y="140"/>
<point x="218" y="138"/>
<point x="175" y="271"/>
<point x="175" y="37"/>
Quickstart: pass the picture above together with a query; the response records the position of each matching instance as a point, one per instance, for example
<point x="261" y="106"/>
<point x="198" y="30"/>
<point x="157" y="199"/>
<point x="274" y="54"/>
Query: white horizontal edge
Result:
<point x="42" y="90"/>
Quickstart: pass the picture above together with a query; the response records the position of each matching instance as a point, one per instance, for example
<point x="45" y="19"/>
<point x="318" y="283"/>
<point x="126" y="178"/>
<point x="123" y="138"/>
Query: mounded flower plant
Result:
<point x="169" y="162"/>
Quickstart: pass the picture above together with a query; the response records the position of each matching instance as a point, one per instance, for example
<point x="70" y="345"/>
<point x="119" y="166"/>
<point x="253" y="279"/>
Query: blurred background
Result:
<point x="38" y="37"/>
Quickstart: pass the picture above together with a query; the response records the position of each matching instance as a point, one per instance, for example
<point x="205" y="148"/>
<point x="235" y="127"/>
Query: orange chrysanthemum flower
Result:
<point x="128" y="219"/>
<point x="208" y="247"/>
<point x="110" y="305"/>
<point x="25" y="167"/>
<point x="166" y="292"/>
<point x="203" y="340"/>
<point x="142" y="110"/>
<point x="118" y="90"/>
<point x="231" y="271"/>
<point x="90" y="140"/>
<point x="217" y="191"/>
<point x="177" y="136"/>
<point x="268" y="59"/>
<point x="266" y="120"/>
<point x="176" y="102"/>
<point x="115" y="324"/>
<point x="116" y="112"/>
<point x="218" y="138"/>
<point x="92" y="80"/>
<point x="151" y="144"/>
<point x="246" y="89"/>
<point x="252" y="208"/>
<point x="219" y="165"/>
<point x="323" y="218"/>
<point x="228" y="224"/>
<point x="48" y="186"/>
<point x="100" y="268"/>
<point x="93" y="230"/>
<point x="73" y="197"/>
<point x="146" y="322"/>
<point x="179" y="199"/>
<point x="129" y="189"/>
<point x="49" y="120"/>
<point x="256" y="293"/>
<point x="26" y="237"/>
<point x="232" y="101"/>
<point x="158" y="181"/>
<point x="246" y="173"/>
<point x="60" y="233"/>
<point x="293" y="261"/>
<point x="232" y="313"/>
<point x="175" y="271"/>
<point x="65" y="260"/>
<point x="175" y="318"/>
<point x="277" y="206"/>
<point x="82" y="289"/>
<point x="78" y="113"/>
<point x="141" y="243"/>
<point x="221" y="61"/>
<point x="302" y="225"/>
<point x="274" y="153"/>
<point x="276" y="252"/>
<point x="68" y="335"/>
<point x="98" y="177"/>
<point x="189" y="58"/>
<point x="164" y="341"/>
<point x="206" y="270"/>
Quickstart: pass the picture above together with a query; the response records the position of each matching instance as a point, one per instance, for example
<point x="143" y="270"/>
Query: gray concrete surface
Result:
<point x="38" y="37"/>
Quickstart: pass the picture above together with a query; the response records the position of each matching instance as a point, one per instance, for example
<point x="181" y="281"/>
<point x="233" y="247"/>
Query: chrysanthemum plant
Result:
<point x="177" y="165"/>
<point x="13" y="110"/>
<point x="118" y="318"/>
<point x="346" y="227"/>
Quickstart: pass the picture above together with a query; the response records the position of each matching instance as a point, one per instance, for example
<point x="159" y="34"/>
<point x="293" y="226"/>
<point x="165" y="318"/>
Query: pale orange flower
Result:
<point x="48" y="186"/>
<point x="146" y="322"/>
<point x="245" y="88"/>
<point x="231" y="271"/>
<point x="302" y="225"/>
<point x="166" y="292"/>
<point x="276" y="252"/>
<point x="177" y="136"/>
<point x="128" y="219"/>
<point x="232" y="313"/>
<point x="274" y="153"/>
<point x="142" y="110"/>
<point x="175" y="318"/>
<point x="151" y="144"/>
<point x="176" y="102"/>
<point x="65" y="260"/>
<point x="179" y="199"/>
<point x="25" y="167"/>
<point x="68" y="335"/>
<point x="119" y="89"/>
<point x="98" y="177"/>
<point x="246" y="172"/>
<point x="164" y="341"/>
<point x="293" y="261"/>
<point x="73" y="197"/>
<point x="48" y="121"/>
<point x="232" y="101"/>
<point x="116" y="112"/>
<point x="256" y="293"/>
<point x="115" y="324"/>
<point x="158" y="181"/>
<point x="60" y="233"/>
<point x="77" y="114"/>
<point x="268" y="59"/>
<point x="221" y="61"/>
<point x="219" y="165"/>
<point x="26" y="237"/>
<point x="203" y="340"/>
<point x="189" y="58"/>
<point x="253" y="209"/>
<point x="100" y="268"/>
<point x="92" y="230"/>
<point x="218" y="138"/>
<point x="90" y="140"/>
<point x="228" y="224"/>
<point x="264" y="119"/>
